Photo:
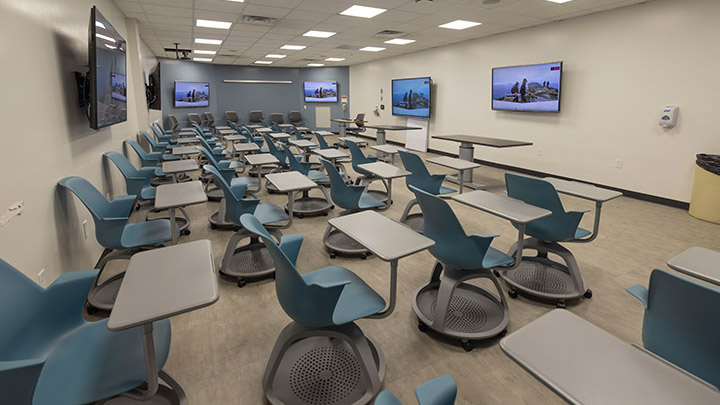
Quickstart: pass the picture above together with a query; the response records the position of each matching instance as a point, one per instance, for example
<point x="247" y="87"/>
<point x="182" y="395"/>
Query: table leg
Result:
<point x="173" y="225"/>
<point x="380" y="141"/>
<point x="291" y="204"/>
<point x="175" y="178"/>
<point x="466" y="153"/>
<point x="461" y="180"/>
<point x="393" y="293"/>
<point x="392" y="159"/>
<point x="150" y="366"/>
<point x="389" y="195"/>
<point x="342" y="129"/>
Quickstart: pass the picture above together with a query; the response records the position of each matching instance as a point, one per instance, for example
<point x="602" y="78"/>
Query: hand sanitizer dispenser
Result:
<point x="668" y="117"/>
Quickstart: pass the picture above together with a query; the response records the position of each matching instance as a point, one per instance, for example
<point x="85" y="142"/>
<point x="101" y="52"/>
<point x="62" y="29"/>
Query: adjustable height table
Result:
<point x="386" y="172"/>
<point x="291" y="182"/>
<point x="381" y="133"/>
<point x="343" y="123"/>
<point x="467" y="148"/>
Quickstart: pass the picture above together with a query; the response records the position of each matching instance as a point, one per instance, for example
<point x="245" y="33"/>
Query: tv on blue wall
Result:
<point x="320" y="92"/>
<point x="534" y="88"/>
<point x="411" y="97"/>
<point x="192" y="94"/>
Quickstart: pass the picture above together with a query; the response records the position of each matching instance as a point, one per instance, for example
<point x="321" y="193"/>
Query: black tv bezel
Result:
<point x="337" y="84"/>
<point x="492" y="76"/>
<point x="392" y="83"/>
<point x="190" y="106"/>
<point x="92" y="100"/>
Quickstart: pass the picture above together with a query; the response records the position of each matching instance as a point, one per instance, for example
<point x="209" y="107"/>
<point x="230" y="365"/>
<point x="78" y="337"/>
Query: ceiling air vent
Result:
<point x="260" y="20"/>
<point x="389" y="33"/>
<point x="347" y="47"/>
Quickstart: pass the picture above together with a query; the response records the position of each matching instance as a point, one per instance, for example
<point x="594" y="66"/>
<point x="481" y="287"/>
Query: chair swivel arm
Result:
<point x="122" y="205"/>
<point x="596" y="224"/>
<point x="640" y="292"/>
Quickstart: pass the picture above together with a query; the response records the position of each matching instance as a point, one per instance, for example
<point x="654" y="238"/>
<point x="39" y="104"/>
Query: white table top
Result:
<point x="264" y="129"/>
<point x="163" y="282"/>
<point x="235" y="137"/>
<point x="330" y="153"/>
<point x="279" y="135"/>
<point x="502" y="206"/>
<point x="698" y="262"/>
<point x="347" y="121"/>
<point x="223" y="127"/>
<point x="584" y="364"/>
<point x="302" y="143"/>
<point x="179" y="195"/>
<point x="302" y="128"/>
<point x="384" y="170"/>
<point x="386" y="238"/>
<point x="185" y="150"/>
<point x="285" y="125"/>
<point x="188" y="140"/>
<point x="582" y="190"/>
<point x="253" y="126"/>
<point x="246" y="147"/>
<point x="324" y="133"/>
<point x="290" y="181"/>
<point x="261" y="159"/>
<point x="228" y="131"/>
<point x="353" y="139"/>
<point x="385" y="148"/>
<point x="180" y="166"/>
<point x="453" y="163"/>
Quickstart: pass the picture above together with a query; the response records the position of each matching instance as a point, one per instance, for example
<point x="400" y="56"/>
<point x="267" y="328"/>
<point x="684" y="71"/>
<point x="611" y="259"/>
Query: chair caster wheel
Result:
<point x="301" y="216"/>
<point x="467" y="345"/>
<point x="213" y="226"/>
<point x="513" y="293"/>
<point x="588" y="294"/>
<point x="186" y="232"/>
<point x="332" y="255"/>
<point x="241" y="283"/>
<point x="503" y="333"/>
<point x="91" y="310"/>
<point x="325" y="214"/>
<point x="496" y="273"/>
<point x="363" y="256"/>
<point x="236" y="229"/>
<point x="422" y="327"/>
<point x="560" y="304"/>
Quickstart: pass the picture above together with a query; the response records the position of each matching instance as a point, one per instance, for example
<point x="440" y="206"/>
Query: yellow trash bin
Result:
<point x="705" y="198"/>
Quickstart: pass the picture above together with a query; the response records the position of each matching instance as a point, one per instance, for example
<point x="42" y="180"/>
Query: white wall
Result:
<point x="46" y="136"/>
<point x="621" y="67"/>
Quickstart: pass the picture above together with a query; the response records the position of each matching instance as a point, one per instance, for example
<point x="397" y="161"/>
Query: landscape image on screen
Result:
<point x="411" y="97"/>
<point x="192" y="94"/>
<point x="119" y="86"/>
<point x="527" y="88"/>
<point x="320" y="92"/>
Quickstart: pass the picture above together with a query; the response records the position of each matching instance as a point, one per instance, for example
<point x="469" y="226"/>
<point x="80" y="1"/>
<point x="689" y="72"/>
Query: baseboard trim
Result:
<point x="627" y="193"/>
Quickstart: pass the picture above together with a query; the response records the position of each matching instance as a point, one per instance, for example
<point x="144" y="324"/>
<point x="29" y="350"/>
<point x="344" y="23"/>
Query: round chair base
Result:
<point x="102" y="297"/>
<point x="380" y="195"/>
<point x="415" y="222"/>
<point x="337" y="243"/>
<point x="542" y="278"/>
<point x="271" y="188"/>
<point x="473" y="313"/>
<point x="265" y="170"/>
<point x="215" y="194"/>
<point x="159" y="181"/>
<point x="170" y="394"/>
<point x="216" y="222"/>
<point x="310" y="206"/>
<point x="182" y="223"/>
<point x="249" y="263"/>
<point x="322" y="370"/>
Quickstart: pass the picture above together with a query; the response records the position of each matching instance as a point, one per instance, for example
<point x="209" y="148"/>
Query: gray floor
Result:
<point x="218" y="353"/>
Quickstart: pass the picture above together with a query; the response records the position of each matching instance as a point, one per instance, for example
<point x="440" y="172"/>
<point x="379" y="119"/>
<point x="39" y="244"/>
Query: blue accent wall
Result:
<point x="243" y="97"/>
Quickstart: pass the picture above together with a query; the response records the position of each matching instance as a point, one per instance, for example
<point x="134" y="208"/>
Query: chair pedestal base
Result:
<point x="102" y="295"/>
<point x="333" y="365"/>
<point x="544" y="279"/>
<point x="415" y="221"/>
<point x="219" y="218"/>
<point x="337" y="243"/>
<point x="460" y="310"/>
<point x="310" y="206"/>
<point x="170" y="394"/>
<point x="214" y="193"/>
<point x="248" y="263"/>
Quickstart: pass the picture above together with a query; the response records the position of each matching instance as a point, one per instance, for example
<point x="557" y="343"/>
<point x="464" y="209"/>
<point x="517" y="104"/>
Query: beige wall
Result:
<point x="46" y="136"/>
<point x="621" y="67"/>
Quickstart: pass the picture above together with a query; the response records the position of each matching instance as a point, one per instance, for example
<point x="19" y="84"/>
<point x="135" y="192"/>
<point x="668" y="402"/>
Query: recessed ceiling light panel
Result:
<point x="223" y="25"/>
<point x="275" y="56"/>
<point x="319" y="34"/>
<point x="362" y="11"/>
<point x="335" y="59"/>
<point x="204" y="52"/>
<point x="400" y="41"/>
<point x="372" y="49"/>
<point x="460" y="25"/>
<point x="316" y="64"/>
<point x="202" y="60"/>
<point x="293" y="47"/>
<point x="208" y="41"/>
<point x="263" y="62"/>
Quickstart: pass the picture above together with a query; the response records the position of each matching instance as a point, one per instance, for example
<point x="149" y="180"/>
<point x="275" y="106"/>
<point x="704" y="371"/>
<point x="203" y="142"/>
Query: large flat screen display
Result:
<point x="107" y="95"/>
<point x="534" y="88"/>
<point x="192" y="94"/>
<point x="320" y="92"/>
<point x="411" y="97"/>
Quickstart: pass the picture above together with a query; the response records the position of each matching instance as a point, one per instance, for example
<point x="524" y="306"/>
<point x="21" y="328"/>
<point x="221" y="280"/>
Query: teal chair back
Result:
<point x="343" y="195"/>
<point x="359" y="158"/>
<point x="135" y="180"/>
<point x="681" y="323"/>
<point x="309" y="305"/>
<point x="227" y="174"/>
<point x="298" y="135"/>
<point x="295" y="165"/>
<point x="146" y="159"/>
<point x="235" y="203"/>
<point x="273" y="150"/>
<point x="322" y="142"/>
<point x="453" y="246"/>
<point x="557" y="227"/>
<point x="420" y="177"/>
<point x="110" y="218"/>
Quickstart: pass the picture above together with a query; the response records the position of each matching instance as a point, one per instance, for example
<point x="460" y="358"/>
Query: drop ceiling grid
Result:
<point x="163" y="22"/>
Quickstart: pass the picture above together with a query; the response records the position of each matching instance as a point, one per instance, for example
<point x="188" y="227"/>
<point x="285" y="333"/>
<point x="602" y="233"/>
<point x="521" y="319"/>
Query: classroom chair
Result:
<point x="439" y="391"/>
<point x="306" y="205"/>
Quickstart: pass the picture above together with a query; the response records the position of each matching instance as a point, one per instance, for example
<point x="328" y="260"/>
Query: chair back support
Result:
<point x="151" y="141"/>
<point x="235" y="204"/>
<point x="298" y="135"/>
<point x="194" y="118"/>
<point x="135" y="181"/>
<point x="295" y="165"/>
<point x="343" y="195"/>
<point x="256" y="116"/>
<point x="358" y="157"/>
<point x="209" y="118"/>
<point x="277" y="118"/>
<point x="173" y="121"/>
<point x="273" y="150"/>
<point x="681" y="324"/>
<point x="146" y="159"/>
<point x="294" y="117"/>
<point x="232" y="116"/>
<point x="559" y="226"/>
<point x="360" y="117"/>
<point x="453" y="246"/>
<point x="309" y="305"/>
<point x="322" y="142"/>
<point x="420" y="177"/>
<point x="158" y="132"/>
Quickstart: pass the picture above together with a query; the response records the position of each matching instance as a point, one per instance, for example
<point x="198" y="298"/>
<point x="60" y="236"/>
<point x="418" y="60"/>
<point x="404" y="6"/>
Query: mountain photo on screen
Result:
<point x="527" y="88"/>
<point x="321" y="92"/>
<point x="192" y="94"/>
<point x="411" y="97"/>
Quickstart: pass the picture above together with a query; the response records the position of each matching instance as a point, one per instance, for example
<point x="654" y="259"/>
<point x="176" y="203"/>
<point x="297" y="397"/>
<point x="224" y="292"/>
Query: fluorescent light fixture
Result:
<point x="559" y="1"/>
<point x="362" y="11"/>
<point x="238" y="1"/>
<point x="105" y="37"/>
<point x="319" y="34"/>
<point x="99" y="24"/>
<point x="208" y="41"/>
<point x="263" y="62"/>
<point x="400" y="41"/>
<point x="110" y="46"/>
<point x="223" y="25"/>
<point x="204" y="52"/>
<point x="335" y="59"/>
<point x="202" y="59"/>
<point x="293" y="47"/>
<point x="372" y="49"/>
<point x="316" y="64"/>
<point x="460" y="25"/>
<point x="275" y="56"/>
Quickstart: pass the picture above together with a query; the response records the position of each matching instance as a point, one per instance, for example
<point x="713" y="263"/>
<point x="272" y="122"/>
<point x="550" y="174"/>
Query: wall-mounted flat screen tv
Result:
<point x="106" y="103"/>
<point x="534" y="88"/>
<point x="320" y="92"/>
<point x="119" y="86"/>
<point x="411" y="97"/>
<point x="192" y="94"/>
